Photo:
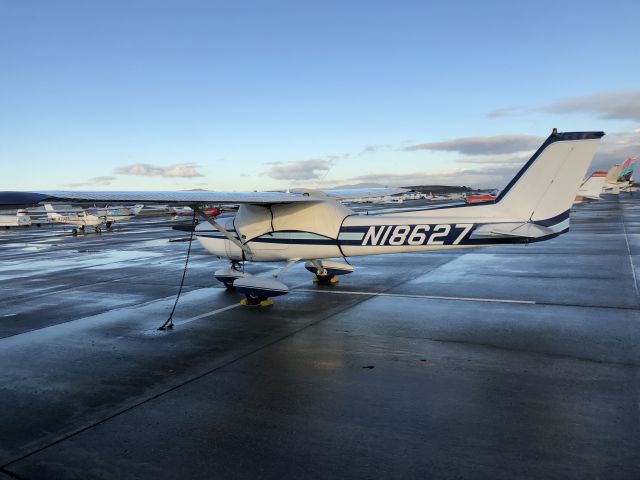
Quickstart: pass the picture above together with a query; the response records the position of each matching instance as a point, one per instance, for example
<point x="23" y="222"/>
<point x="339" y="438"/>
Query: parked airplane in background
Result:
<point x="188" y="211"/>
<point x="387" y="199"/>
<point x="79" y="219"/>
<point x="436" y="197"/>
<point x="625" y="179"/>
<point x="482" y="197"/>
<point x="619" y="177"/>
<point x="111" y="215"/>
<point x="20" y="219"/>
<point x="290" y="227"/>
<point x="591" y="188"/>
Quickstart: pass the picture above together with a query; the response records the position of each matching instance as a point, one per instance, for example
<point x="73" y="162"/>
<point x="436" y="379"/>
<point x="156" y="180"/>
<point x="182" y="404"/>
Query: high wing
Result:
<point x="14" y="199"/>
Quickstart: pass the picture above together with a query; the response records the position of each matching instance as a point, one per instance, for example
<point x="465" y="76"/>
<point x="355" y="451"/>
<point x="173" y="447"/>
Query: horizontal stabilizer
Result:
<point x="524" y="230"/>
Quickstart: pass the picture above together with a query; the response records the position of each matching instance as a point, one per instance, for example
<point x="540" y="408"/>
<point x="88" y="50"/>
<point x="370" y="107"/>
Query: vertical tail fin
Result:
<point x="614" y="173"/>
<point x="51" y="214"/>
<point x="547" y="184"/>
<point x="591" y="188"/>
<point x="627" y="169"/>
<point x="136" y="209"/>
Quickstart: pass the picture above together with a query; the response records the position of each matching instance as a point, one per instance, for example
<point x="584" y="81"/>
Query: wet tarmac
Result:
<point x="501" y="363"/>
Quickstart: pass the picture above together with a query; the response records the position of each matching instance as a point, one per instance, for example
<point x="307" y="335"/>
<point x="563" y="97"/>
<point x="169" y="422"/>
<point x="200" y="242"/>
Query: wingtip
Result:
<point x="21" y="199"/>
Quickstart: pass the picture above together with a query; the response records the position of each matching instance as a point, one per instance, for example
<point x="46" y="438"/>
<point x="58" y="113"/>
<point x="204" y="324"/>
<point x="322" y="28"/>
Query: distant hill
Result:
<point x="435" y="189"/>
<point x="440" y="189"/>
<point x="358" y="185"/>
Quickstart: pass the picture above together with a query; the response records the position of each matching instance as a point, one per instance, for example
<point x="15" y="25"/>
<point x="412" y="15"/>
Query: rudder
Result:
<point x="546" y="185"/>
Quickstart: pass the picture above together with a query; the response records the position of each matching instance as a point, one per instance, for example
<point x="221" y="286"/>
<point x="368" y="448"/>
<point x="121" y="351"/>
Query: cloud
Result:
<point x="498" y="144"/>
<point x="616" y="148"/>
<point x="103" y="180"/>
<point x="493" y="176"/>
<point x="495" y="171"/>
<point x="187" y="170"/>
<point x="313" y="169"/>
<point x="503" y="112"/>
<point x="375" y="148"/>
<point x="496" y="160"/>
<point x="301" y="169"/>
<point x="621" y="105"/>
<point x="618" y="105"/>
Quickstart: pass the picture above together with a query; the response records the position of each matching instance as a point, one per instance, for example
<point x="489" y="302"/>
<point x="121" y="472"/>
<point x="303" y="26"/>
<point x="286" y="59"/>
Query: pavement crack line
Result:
<point x="633" y="270"/>
<point x="67" y="322"/>
<point x="11" y="474"/>
<point x="635" y="284"/>
<point x="461" y="299"/>
<point x="210" y="371"/>
<point x="531" y="352"/>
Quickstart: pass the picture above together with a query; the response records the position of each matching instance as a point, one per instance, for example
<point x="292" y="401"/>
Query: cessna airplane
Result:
<point x="176" y="213"/>
<point x="431" y="196"/>
<point x="111" y="215"/>
<point x="291" y="227"/>
<point x="80" y="219"/>
<point x="619" y="177"/>
<point x="20" y="219"/>
<point x="591" y="188"/>
<point x="627" y="172"/>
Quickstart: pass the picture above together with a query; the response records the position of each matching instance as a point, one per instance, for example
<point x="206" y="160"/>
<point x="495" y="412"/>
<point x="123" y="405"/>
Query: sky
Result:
<point x="234" y="96"/>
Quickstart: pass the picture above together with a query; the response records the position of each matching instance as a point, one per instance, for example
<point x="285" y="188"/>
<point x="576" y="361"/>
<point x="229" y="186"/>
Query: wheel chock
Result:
<point x="263" y="303"/>
<point x="322" y="281"/>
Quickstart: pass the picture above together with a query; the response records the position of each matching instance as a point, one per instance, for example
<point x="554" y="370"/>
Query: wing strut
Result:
<point x="223" y="231"/>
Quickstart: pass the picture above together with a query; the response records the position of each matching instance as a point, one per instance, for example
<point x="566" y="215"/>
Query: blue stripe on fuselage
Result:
<point x="402" y="235"/>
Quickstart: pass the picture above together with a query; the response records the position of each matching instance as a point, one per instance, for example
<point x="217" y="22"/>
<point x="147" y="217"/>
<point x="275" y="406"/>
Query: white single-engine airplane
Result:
<point x="619" y="177"/>
<point x="20" y="219"/>
<point x="111" y="215"/>
<point x="290" y="227"/>
<point x="79" y="219"/>
<point x="591" y="188"/>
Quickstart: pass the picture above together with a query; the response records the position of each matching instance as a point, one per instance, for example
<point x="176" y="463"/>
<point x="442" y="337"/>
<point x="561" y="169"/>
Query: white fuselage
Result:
<point x="82" y="219"/>
<point x="19" y="220"/>
<point x="534" y="206"/>
<point x="115" y="214"/>
<point x="343" y="233"/>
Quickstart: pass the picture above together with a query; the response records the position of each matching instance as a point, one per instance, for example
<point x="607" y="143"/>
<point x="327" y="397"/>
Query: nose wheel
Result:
<point x="227" y="276"/>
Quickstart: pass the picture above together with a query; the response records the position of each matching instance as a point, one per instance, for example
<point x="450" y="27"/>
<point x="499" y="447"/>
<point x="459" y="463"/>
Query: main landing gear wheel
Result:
<point x="256" y="301"/>
<point x="74" y="232"/>
<point x="98" y="229"/>
<point x="327" y="271"/>
<point x="109" y="225"/>
<point x="325" y="279"/>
